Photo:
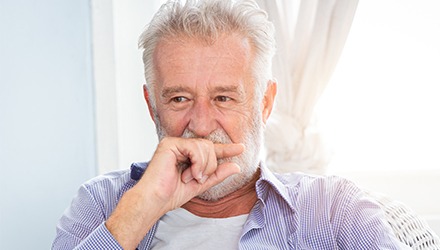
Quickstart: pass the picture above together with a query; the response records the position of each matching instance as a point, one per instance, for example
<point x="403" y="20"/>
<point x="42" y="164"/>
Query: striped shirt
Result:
<point x="293" y="211"/>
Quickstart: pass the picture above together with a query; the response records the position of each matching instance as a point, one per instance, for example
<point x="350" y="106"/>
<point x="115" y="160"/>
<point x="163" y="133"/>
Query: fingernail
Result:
<point x="199" y="176"/>
<point x="203" y="179"/>
<point x="187" y="178"/>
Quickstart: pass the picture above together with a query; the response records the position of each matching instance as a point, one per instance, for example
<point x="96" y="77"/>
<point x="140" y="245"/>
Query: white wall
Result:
<point x="125" y="131"/>
<point x="47" y="137"/>
<point x="136" y="131"/>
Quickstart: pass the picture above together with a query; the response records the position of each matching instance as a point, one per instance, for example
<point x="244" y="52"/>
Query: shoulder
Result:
<point x="339" y="206"/>
<point x="305" y="190"/>
<point x="332" y="196"/>
<point x="106" y="190"/>
<point x="317" y="183"/>
<point x="92" y="205"/>
<point x="111" y="182"/>
<point x="297" y="187"/>
<point x="112" y="179"/>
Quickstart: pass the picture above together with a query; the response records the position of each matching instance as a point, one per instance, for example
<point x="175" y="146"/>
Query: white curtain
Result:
<point x="310" y="37"/>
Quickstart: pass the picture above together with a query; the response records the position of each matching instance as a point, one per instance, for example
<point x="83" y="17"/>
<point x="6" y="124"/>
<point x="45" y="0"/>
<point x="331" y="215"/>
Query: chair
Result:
<point x="407" y="225"/>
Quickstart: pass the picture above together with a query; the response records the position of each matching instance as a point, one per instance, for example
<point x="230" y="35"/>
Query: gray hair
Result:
<point x="208" y="20"/>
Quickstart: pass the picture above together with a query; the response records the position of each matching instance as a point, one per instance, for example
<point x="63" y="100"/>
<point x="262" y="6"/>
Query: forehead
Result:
<point x="230" y="54"/>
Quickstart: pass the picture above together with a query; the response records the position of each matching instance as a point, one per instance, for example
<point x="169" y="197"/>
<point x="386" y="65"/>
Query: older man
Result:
<point x="209" y="92"/>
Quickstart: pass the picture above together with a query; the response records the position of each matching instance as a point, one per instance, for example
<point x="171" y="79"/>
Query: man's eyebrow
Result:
<point x="169" y="91"/>
<point x="166" y="92"/>
<point x="229" y="88"/>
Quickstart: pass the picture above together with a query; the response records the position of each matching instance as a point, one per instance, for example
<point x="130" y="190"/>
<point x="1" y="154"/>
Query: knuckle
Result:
<point x="208" y="143"/>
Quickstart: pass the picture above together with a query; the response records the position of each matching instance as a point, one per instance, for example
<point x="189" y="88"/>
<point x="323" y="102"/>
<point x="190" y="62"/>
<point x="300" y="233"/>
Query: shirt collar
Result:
<point x="137" y="169"/>
<point x="269" y="180"/>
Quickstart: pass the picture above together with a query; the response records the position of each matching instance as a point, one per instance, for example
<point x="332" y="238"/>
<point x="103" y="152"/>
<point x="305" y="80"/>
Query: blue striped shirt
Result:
<point x="293" y="211"/>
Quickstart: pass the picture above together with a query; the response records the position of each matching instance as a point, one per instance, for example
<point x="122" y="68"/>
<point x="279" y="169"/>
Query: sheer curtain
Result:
<point x="310" y="37"/>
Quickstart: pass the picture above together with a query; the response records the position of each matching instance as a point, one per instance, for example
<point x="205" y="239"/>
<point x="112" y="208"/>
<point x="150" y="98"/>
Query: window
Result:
<point x="382" y="106"/>
<point x="381" y="111"/>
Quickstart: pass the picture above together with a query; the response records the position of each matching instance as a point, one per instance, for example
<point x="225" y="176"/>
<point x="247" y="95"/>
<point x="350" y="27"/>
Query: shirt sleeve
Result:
<point x="82" y="225"/>
<point x="364" y="225"/>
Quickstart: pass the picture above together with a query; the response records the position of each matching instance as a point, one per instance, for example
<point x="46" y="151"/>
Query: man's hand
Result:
<point x="179" y="170"/>
<point x="175" y="186"/>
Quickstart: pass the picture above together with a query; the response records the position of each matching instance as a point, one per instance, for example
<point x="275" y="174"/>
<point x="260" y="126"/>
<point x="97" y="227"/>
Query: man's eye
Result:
<point x="179" y="99"/>
<point x="222" y="98"/>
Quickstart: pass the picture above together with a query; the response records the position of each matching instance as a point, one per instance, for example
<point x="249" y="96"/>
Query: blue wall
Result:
<point x="47" y="137"/>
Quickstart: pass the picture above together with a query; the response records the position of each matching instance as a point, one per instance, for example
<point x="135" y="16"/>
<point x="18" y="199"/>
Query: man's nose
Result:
<point x="202" y="118"/>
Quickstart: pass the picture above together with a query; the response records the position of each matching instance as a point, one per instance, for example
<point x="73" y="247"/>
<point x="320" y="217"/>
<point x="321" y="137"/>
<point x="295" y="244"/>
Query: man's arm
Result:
<point x="163" y="187"/>
<point x="82" y="225"/>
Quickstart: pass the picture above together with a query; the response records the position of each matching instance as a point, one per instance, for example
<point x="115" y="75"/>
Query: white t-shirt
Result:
<point x="180" y="229"/>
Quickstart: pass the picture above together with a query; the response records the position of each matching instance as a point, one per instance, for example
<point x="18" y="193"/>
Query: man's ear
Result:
<point x="147" y="99"/>
<point x="269" y="100"/>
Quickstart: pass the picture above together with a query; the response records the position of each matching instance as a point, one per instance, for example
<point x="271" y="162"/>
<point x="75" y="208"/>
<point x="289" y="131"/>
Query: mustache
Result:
<point x="217" y="136"/>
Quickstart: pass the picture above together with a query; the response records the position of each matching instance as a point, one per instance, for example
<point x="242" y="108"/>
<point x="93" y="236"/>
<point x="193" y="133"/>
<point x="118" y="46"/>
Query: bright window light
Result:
<point x="381" y="110"/>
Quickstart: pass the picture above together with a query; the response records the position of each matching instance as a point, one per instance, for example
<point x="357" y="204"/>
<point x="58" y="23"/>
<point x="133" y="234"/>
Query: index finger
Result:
<point x="228" y="150"/>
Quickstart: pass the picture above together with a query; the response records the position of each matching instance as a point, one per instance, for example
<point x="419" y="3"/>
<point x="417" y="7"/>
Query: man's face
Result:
<point x="208" y="91"/>
<point x="204" y="87"/>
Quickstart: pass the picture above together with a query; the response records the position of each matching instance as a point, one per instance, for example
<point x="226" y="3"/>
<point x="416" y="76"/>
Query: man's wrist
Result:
<point x="134" y="216"/>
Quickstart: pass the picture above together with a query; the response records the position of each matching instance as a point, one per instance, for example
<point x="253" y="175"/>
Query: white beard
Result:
<point x="248" y="161"/>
